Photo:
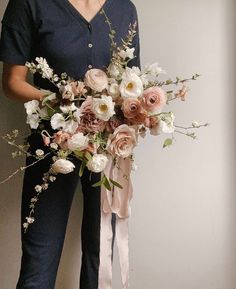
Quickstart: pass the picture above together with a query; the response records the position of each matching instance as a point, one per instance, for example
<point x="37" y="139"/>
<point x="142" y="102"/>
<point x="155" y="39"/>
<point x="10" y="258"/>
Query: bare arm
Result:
<point x="15" y="85"/>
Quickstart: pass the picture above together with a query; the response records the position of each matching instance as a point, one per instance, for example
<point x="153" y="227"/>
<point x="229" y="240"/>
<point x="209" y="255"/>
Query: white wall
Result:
<point x="182" y="228"/>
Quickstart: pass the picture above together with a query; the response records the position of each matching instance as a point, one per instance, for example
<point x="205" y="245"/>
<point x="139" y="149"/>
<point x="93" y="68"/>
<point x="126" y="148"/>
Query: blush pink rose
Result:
<point x="154" y="98"/>
<point x="61" y="138"/>
<point x="122" y="141"/>
<point x="88" y="120"/>
<point x="96" y="79"/>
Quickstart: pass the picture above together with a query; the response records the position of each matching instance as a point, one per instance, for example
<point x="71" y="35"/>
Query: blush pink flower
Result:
<point x="122" y="141"/>
<point x="61" y="138"/>
<point x="96" y="79"/>
<point x="46" y="140"/>
<point x="112" y="124"/>
<point x="88" y="120"/>
<point x="133" y="111"/>
<point x="78" y="87"/>
<point x="153" y="123"/>
<point x="154" y="98"/>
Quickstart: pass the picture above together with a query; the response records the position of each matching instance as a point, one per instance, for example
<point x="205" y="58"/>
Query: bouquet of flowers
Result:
<point x="99" y="119"/>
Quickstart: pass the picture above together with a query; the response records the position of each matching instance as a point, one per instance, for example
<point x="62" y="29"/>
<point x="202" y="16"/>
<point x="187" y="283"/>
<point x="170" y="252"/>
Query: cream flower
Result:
<point x="131" y="84"/>
<point x="128" y="53"/>
<point x="67" y="92"/>
<point x="103" y="107"/>
<point x="78" y="141"/>
<point x="58" y="121"/>
<point x="96" y="79"/>
<point x="98" y="163"/>
<point x="31" y="106"/>
<point x="62" y="166"/>
<point x="166" y="124"/>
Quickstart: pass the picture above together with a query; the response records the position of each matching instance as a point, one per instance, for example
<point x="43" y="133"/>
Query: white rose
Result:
<point x="62" y="166"/>
<point x="98" y="163"/>
<point x="131" y="85"/>
<point x="31" y="106"/>
<point x="103" y="107"/>
<point x="128" y="53"/>
<point x="78" y="141"/>
<point x="167" y="123"/>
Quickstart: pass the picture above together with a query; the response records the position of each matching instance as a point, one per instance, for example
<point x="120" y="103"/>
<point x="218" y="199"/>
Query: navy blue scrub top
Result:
<point x="55" y="30"/>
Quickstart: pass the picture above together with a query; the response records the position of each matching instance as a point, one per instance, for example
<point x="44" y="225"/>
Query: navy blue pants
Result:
<point x="43" y="242"/>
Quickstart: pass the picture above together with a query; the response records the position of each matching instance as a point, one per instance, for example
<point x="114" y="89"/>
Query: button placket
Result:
<point x="90" y="45"/>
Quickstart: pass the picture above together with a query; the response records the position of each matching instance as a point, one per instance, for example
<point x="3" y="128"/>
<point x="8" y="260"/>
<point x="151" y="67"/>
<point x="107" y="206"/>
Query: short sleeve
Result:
<point x="17" y="34"/>
<point x="136" y="40"/>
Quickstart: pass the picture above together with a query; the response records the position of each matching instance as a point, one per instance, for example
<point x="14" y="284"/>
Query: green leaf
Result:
<point x="167" y="142"/>
<point x="99" y="183"/>
<point x="107" y="184"/>
<point x="79" y="154"/>
<point x="116" y="184"/>
<point x="81" y="169"/>
<point x="88" y="155"/>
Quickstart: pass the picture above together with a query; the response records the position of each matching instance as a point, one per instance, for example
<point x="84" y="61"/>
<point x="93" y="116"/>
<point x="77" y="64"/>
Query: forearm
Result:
<point x="21" y="90"/>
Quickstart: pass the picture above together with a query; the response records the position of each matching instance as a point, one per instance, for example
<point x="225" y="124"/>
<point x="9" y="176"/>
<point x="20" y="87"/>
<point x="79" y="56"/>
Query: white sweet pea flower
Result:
<point x="31" y="106"/>
<point x="131" y="85"/>
<point x="77" y="114"/>
<point x="103" y="107"/>
<point x="154" y="69"/>
<point x="98" y="163"/>
<point x="78" y="141"/>
<point x="167" y="123"/>
<point x="57" y="121"/>
<point x="47" y="72"/>
<point x="62" y="166"/>
<point x="128" y="53"/>
<point x="70" y="126"/>
<point x="33" y="120"/>
<point x="68" y="108"/>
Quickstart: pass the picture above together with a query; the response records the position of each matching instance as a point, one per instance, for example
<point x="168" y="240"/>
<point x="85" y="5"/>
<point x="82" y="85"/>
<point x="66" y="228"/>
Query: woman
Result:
<point x="74" y="37"/>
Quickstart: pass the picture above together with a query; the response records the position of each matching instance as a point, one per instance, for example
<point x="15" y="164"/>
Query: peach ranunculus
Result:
<point x="154" y="98"/>
<point x="61" y="138"/>
<point x="133" y="111"/>
<point x="88" y="120"/>
<point x="96" y="79"/>
<point x="122" y="141"/>
<point x="153" y="123"/>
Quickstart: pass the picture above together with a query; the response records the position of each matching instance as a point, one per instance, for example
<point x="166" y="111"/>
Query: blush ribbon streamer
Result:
<point x="116" y="201"/>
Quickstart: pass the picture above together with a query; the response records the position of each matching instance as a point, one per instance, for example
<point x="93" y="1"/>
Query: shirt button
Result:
<point x="90" y="66"/>
<point x="90" y="45"/>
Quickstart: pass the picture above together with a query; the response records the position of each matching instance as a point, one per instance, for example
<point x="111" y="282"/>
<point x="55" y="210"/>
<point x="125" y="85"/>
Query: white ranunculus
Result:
<point x="127" y="53"/>
<point x="167" y="123"/>
<point x="98" y="163"/>
<point x="103" y="107"/>
<point x="31" y="106"/>
<point x="33" y="120"/>
<point x="78" y="141"/>
<point x="131" y="85"/>
<point x="62" y="166"/>
<point x="57" y="121"/>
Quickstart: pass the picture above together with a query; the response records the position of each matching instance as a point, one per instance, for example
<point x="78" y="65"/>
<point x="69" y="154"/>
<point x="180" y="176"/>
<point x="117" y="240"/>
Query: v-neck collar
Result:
<point x="77" y="14"/>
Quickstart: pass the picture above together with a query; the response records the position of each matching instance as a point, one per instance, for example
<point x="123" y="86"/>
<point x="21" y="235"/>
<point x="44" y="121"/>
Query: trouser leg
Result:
<point x="90" y="232"/>
<point x="43" y="242"/>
